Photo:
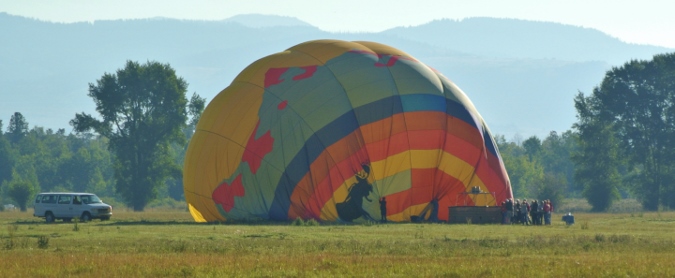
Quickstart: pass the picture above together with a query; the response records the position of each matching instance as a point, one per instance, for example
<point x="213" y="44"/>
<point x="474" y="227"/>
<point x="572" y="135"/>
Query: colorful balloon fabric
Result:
<point x="327" y="128"/>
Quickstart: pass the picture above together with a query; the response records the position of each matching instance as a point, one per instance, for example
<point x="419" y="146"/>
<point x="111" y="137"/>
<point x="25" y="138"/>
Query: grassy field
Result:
<point x="166" y="243"/>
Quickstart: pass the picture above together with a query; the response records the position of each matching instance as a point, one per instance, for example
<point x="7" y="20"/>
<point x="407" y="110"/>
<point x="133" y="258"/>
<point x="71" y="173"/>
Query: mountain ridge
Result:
<point x="535" y="39"/>
<point x="45" y="67"/>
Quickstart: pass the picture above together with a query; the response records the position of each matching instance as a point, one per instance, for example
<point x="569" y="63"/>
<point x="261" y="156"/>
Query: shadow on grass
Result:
<point x="239" y="222"/>
<point x="150" y="222"/>
<point x="108" y="222"/>
<point x="255" y="222"/>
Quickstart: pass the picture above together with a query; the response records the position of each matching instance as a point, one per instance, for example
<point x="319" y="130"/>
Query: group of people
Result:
<point x="527" y="213"/>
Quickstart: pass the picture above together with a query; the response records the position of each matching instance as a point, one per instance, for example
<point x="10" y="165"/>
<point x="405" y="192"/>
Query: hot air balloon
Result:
<point x="327" y="128"/>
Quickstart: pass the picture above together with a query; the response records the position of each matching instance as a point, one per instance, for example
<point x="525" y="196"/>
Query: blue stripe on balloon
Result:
<point x="423" y="102"/>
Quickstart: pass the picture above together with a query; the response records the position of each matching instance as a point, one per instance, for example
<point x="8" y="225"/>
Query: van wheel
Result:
<point x="49" y="217"/>
<point x="86" y="217"/>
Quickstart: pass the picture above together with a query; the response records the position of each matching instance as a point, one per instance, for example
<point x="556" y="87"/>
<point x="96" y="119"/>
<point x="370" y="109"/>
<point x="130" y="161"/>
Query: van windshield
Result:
<point x="90" y="199"/>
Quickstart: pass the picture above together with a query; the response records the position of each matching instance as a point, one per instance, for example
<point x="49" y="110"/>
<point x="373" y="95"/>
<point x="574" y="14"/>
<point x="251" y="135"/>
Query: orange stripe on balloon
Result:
<point x="309" y="200"/>
<point x="318" y="186"/>
<point x="330" y="169"/>
<point x="335" y="165"/>
<point x="445" y="189"/>
<point x="494" y="176"/>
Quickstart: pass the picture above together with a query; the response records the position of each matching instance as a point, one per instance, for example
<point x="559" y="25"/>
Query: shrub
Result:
<point x="599" y="237"/>
<point x="298" y="222"/>
<point x="76" y="228"/>
<point x="312" y="222"/>
<point x="43" y="242"/>
<point x="20" y="192"/>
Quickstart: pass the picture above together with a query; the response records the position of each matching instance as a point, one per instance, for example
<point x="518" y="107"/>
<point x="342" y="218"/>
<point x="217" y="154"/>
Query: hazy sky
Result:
<point x="634" y="21"/>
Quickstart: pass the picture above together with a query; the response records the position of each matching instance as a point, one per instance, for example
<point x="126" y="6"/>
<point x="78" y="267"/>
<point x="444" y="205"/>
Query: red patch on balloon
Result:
<point x="392" y="60"/>
<point x="257" y="148"/>
<point x="225" y="193"/>
<point x="309" y="72"/>
<point x="282" y="105"/>
<point x="273" y="76"/>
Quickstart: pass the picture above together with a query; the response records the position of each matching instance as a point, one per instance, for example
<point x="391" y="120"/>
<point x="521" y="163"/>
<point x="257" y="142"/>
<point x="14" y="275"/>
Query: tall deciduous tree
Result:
<point x="637" y="101"/>
<point x="597" y="160"/>
<point x="18" y="127"/>
<point x="532" y="146"/>
<point x="143" y="110"/>
<point x="6" y="158"/>
<point x="555" y="155"/>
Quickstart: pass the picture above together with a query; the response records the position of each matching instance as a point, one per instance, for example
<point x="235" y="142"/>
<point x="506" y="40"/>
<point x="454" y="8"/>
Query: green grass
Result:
<point x="166" y="243"/>
<point x="619" y="206"/>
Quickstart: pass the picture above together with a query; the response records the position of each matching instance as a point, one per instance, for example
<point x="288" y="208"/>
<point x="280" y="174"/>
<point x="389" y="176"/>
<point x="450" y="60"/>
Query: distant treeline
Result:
<point x="54" y="161"/>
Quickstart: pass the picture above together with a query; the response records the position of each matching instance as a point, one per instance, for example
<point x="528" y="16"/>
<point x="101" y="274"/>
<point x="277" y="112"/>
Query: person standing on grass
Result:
<point x="525" y="210"/>
<point x="551" y="204"/>
<point x="540" y="212"/>
<point x="504" y="211"/>
<point x="518" y="216"/>
<point x="383" y="209"/>
<point x="509" y="210"/>
<point x="547" y="212"/>
<point x="535" y="211"/>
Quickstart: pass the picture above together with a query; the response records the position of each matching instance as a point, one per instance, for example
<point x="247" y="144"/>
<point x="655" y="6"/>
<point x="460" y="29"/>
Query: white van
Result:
<point x="67" y="206"/>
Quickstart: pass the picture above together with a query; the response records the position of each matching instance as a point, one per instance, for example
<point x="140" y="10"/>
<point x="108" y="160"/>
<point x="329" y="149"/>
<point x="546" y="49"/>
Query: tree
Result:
<point x="597" y="159"/>
<point x="18" y="127"/>
<point x="6" y="159"/>
<point x="551" y="187"/>
<point x="195" y="109"/>
<point x="532" y="146"/>
<point x="637" y="103"/>
<point x="555" y="156"/>
<point x="525" y="174"/>
<point x="24" y="182"/>
<point x="540" y="169"/>
<point x="143" y="110"/>
<point x="45" y="151"/>
<point x="20" y="192"/>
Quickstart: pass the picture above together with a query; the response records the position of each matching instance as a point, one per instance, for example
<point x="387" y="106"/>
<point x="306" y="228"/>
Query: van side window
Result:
<point x="76" y="200"/>
<point x="64" y="199"/>
<point x="49" y="199"/>
<point x="38" y="199"/>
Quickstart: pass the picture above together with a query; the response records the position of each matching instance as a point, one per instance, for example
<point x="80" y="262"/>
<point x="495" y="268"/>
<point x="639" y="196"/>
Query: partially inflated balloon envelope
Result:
<point x="327" y="128"/>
